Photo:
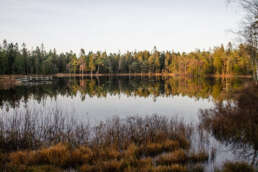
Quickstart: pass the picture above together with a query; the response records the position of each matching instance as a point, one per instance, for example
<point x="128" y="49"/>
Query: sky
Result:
<point x="119" y="25"/>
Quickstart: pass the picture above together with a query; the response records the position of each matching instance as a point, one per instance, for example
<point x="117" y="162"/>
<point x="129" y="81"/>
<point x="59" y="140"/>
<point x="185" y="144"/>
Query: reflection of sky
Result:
<point x="95" y="108"/>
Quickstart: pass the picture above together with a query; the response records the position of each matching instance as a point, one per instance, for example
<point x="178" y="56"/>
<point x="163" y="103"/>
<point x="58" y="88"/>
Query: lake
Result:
<point x="103" y="97"/>
<point x="100" y="98"/>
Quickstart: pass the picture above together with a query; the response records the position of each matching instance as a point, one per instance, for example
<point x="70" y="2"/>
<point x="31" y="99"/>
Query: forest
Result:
<point x="221" y="60"/>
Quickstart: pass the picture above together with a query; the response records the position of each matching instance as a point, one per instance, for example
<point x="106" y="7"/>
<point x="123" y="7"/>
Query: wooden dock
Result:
<point x="35" y="78"/>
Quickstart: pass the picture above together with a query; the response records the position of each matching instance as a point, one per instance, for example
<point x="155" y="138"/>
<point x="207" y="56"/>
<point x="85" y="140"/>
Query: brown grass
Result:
<point x="154" y="149"/>
<point x="236" y="167"/>
<point x="198" y="157"/>
<point x="171" y="168"/>
<point x="113" y="145"/>
<point x="178" y="156"/>
<point x="102" y="159"/>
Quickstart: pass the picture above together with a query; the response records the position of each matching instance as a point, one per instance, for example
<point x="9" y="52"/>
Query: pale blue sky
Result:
<point x="113" y="25"/>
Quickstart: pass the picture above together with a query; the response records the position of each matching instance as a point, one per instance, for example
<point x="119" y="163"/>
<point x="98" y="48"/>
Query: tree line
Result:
<point x="221" y="60"/>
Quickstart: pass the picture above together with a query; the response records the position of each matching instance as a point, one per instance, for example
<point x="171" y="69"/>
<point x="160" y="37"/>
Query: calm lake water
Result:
<point x="96" y="99"/>
<point x="104" y="97"/>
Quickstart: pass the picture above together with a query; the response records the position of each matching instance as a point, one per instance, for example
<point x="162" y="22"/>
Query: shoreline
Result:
<point x="60" y="75"/>
<point x="9" y="81"/>
<point x="12" y="77"/>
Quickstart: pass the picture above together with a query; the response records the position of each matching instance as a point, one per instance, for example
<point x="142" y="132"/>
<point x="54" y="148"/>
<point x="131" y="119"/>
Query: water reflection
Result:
<point x="144" y="87"/>
<point x="233" y="121"/>
<point x="236" y="124"/>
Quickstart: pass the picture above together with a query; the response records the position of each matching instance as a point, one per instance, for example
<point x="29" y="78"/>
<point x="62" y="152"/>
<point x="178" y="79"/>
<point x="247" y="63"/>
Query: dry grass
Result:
<point x="130" y="144"/>
<point x="181" y="156"/>
<point x="178" y="156"/>
<point x="171" y="168"/>
<point x="236" y="167"/>
<point x="102" y="159"/>
<point x="57" y="155"/>
<point x="154" y="149"/>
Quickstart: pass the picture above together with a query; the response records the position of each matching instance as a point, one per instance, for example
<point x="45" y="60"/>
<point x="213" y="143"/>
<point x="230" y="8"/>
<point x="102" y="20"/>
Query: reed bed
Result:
<point x="53" y="141"/>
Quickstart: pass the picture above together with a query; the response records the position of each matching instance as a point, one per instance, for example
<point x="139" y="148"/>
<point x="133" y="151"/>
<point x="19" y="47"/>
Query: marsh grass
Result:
<point x="32" y="141"/>
<point x="236" y="167"/>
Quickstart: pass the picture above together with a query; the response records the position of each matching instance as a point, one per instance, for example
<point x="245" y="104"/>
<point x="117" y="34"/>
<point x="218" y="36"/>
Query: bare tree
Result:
<point x="249" y="30"/>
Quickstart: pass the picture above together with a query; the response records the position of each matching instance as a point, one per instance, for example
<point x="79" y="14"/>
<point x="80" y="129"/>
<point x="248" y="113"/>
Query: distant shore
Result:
<point x="8" y="81"/>
<point x="13" y="77"/>
<point x="145" y="74"/>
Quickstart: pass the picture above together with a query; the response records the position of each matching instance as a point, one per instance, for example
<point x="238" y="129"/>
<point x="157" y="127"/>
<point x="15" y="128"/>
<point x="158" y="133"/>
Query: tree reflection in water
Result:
<point x="236" y="124"/>
<point x="146" y="87"/>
